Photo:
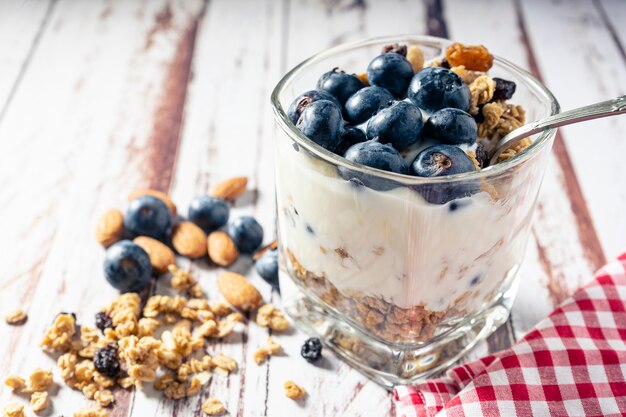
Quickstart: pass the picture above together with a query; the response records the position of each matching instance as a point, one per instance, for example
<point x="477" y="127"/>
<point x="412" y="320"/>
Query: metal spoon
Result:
<point x="593" y="111"/>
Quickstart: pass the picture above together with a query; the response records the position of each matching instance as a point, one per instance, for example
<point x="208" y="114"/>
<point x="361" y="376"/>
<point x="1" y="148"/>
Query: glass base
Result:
<point x="391" y="364"/>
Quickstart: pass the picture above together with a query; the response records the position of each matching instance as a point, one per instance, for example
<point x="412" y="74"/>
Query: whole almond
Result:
<point x="110" y="227"/>
<point x="222" y="250"/>
<point x="231" y="188"/>
<point x="154" y="193"/>
<point x="238" y="291"/>
<point x="160" y="255"/>
<point x="189" y="240"/>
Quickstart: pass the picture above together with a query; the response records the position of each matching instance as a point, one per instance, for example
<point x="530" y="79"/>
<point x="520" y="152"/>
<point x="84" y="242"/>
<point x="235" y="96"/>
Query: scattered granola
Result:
<point x="16" y="318"/>
<point x="91" y="412"/>
<point x="15" y="382"/>
<point x="39" y="401"/>
<point x="225" y="363"/>
<point x="40" y="380"/>
<point x="293" y="390"/>
<point x="270" y="348"/>
<point x="104" y="397"/>
<point x="213" y="407"/>
<point x="269" y="316"/>
<point x="13" y="409"/>
<point x="181" y="280"/>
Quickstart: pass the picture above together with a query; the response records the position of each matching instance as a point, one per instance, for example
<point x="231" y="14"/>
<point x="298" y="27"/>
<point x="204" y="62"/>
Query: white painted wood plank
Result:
<point x="582" y="64"/>
<point x="615" y="11"/>
<point x="75" y="141"/>
<point x="20" y="25"/>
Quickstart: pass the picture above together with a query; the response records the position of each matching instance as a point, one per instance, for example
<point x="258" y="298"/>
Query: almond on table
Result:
<point x="238" y="291"/>
<point x="161" y="256"/>
<point x="189" y="240"/>
<point x="230" y="189"/>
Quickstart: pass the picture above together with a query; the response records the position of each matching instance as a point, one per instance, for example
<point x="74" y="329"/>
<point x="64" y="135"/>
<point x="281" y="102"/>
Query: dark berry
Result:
<point x="209" y="213"/>
<point x="445" y="63"/>
<point x="365" y="103"/>
<point x="482" y="156"/>
<point x="148" y="216"/>
<point x="339" y="84"/>
<point x="350" y="136"/>
<point x="504" y="89"/>
<point x="438" y="161"/>
<point x="103" y="321"/>
<point x="267" y="267"/>
<point x="390" y="71"/>
<point x="321" y="122"/>
<point x="107" y="361"/>
<point x="127" y="266"/>
<point x="312" y="350"/>
<point x="302" y="101"/>
<point x="376" y="155"/>
<point x="435" y="88"/>
<point x="451" y="126"/>
<point x="399" y="125"/>
<point x="247" y="234"/>
<point x="394" y="48"/>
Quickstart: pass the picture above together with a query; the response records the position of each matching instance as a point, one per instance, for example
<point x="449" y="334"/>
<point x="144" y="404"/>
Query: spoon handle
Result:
<point x="611" y="107"/>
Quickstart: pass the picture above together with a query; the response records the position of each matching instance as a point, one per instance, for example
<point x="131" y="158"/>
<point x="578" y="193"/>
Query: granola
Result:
<point x="13" y="409"/>
<point x="293" y="390"/>
<point x="269" y="316"/>
<point x="213" y="407"/>
<point x="39" y="401"/>
<point x="16" y="318"/>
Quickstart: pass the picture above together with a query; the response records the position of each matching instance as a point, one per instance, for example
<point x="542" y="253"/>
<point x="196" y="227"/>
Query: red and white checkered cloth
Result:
<point x="573" y="363"/>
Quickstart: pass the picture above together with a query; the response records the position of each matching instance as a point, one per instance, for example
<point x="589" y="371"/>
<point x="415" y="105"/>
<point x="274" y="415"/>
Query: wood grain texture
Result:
<point x="105" y="96"/>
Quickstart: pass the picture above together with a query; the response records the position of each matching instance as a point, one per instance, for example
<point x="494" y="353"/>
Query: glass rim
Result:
<point x="280" y="114"/>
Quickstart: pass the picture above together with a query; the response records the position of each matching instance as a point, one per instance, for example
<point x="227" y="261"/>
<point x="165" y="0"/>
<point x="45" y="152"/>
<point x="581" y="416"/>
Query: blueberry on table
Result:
<point x="391" y="71"/>
<point x="311" y="350"/>
<point x="504" y="89"/>
<point x="148" y="216"/>
<point x="247" y="234"/>
<point x="435" y="88"/>
<point x="399" y="125"/>
<point x="127" y="266"/>
<point x="365" y="103"/>
<point x="103" y="321"/>
<point x="208" y="213"/>
<point x="376" y="155"/>
<point x="321" y="122"/>
<point x="451" y="126"/>
<point x="267" y="267"/>
<point x="349" y="136"/>
<point x="303" y="100"/>
<point x="107" y="361"/>
<point x="438" y="161"/>
<point x="339" y="84"/>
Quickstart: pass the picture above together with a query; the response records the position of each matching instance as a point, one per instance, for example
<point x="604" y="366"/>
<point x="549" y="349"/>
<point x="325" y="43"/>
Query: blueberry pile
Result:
<point x="128" y="266"/>
<point x="397" y="110"/>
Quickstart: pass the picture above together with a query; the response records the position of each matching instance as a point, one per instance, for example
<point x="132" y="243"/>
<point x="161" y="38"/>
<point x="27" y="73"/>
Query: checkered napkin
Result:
<point x="573" y="363"/>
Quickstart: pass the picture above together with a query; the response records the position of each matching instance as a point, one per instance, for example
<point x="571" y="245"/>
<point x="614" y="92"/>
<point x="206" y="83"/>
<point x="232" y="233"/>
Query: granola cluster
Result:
<point x="38" y="384"/>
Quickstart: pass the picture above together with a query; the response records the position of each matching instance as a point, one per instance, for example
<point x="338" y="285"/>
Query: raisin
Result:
<point x="481" y="155"/>
<point x="312" y="350"/>
<point x="475" y="58"/>
<point x="103" y="321"/>
<point x="479" y="117"/>
<point x="445" y="64"/>
<point x="106" y="360"/>
<point x="395" y="48"/>
<point x="504" y="89"/>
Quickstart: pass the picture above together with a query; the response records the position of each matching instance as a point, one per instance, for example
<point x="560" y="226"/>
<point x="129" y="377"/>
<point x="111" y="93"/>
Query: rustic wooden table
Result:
<point x="101" y="97"/>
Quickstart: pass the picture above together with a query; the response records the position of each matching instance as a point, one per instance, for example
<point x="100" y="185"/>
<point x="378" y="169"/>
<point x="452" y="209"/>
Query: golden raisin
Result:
<point x="472" y="57"/>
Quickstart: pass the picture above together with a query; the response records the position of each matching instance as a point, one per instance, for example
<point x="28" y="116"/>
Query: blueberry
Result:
<point x="127" y="266"/>
<point x="148" y="216"/>
<point x="339" y="84"/>
<point x="451" y="126"/>
<point x="247" y="234"/>
<point x="376" y="155"/>
<point x="391" y="71"/>
<point x="504" y="89"/>
<point x="267" y="267"/>
<point x="106" y="360"/>
<point x="365" y="103"/>
<point x="311" y="350"/>
<point x="440" y="160"/>
<point x="303" y="100"/>
<point x="435" y="88"/>
<point x="349" y="136"/>
<point x="400" y="125"/>
<point x="321" y="122"/>
<point x="209" y="213"/>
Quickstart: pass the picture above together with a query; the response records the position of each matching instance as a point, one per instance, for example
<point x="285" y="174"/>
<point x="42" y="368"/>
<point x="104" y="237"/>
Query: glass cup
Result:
<point x="391" y="271"/>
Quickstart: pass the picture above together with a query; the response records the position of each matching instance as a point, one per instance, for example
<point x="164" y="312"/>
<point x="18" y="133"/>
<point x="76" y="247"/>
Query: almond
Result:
<point x="231" y="188"/>
<point x="160" y="255"/>
<point x="154" y="193"/>
<point x="238" y="291"/>
<point x="110" y="228"/>
<point x="222" y="250"/>
<point x="189" y="240"/>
